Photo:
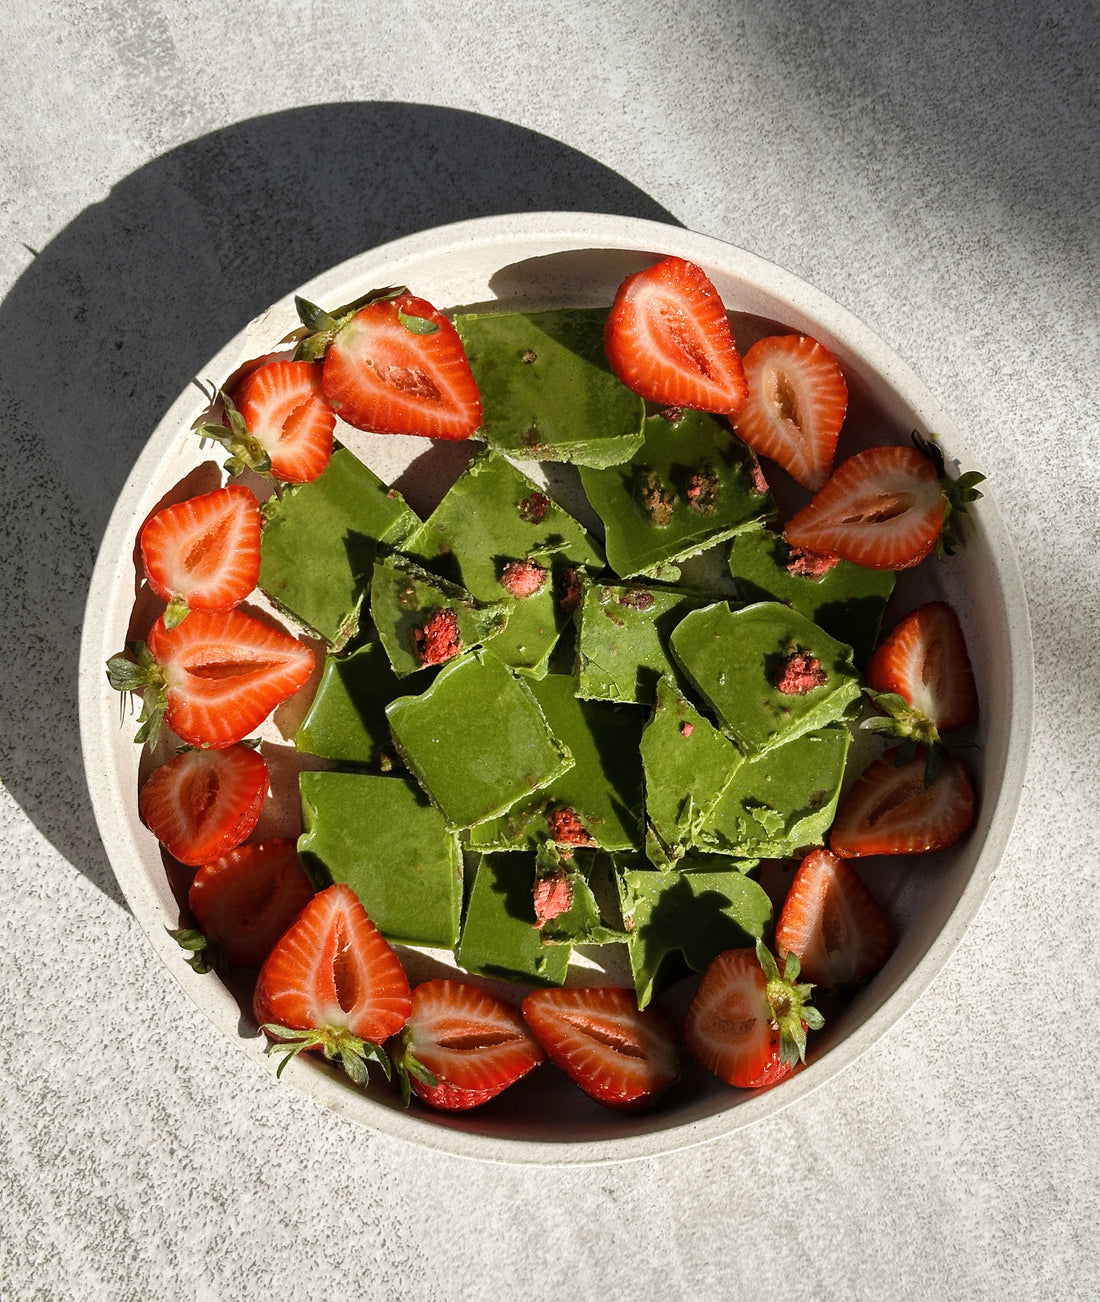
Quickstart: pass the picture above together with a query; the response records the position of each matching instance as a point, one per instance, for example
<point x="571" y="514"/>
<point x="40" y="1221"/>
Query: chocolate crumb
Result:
<point x="566" y="828"/>
<point x="655" y="498"/>
<point x="533" y="508"/>
<point x="800" y="674"/>
<point x="522" y="579"/>
<point x="439" y="639"/>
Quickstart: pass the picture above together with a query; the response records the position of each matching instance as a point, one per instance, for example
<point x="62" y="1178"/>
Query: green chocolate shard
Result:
<point x="679" y="921"/>
<point x="780" y="803"/>
<point x="499" y="936"/>
<point x="547" y="391"/>
<point x="404" y="598"/>
<point x="740" y="661"/>
<point x="582" y="923"/>
<point x="623" y="639"/>
<point x="476" y="740"/>
<point x="691" y="485"/>
<point x="847" y="601"/>
<point x="320" y="540"/>
<point x="493" y="515"/>
<point x="383" y="838"/>
<point x="603" y="790"/>
<point x="347" y="719"/>
<point x="688" y="764"/>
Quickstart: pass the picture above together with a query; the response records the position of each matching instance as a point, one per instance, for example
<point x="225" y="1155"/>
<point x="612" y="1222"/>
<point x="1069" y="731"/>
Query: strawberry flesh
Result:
<point x="203" y="803"/>
<point x="245" y="900"/>
<point x="833" y="923"/>
<point x="473" y="1044"/>
<point x="204" y="552"/>
<point x="891" y="811"/>
<point x="384" y="373"/>
<point x="667" y="338"/>
<point x="882" y="508"/>
<point x="283" y="405"/>
<point x="621" y="1057"/>
<point x="924" y="660"/>
<point x="796" y="404"/>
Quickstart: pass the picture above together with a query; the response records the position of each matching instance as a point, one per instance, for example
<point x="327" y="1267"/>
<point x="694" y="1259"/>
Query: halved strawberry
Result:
<point x="747" y="1022"/>
<point x="833" y="923"/>
<point x="283" y="408"/>
<point x="885" y="508"/>
<point x="621" y="1057"/>
<point x="203" y="803"/>
<point x="891" y="810"/>
<point x="394" y="366"/>
<point x="461" y="1046"/>
<point x="667" y="337"/>
<point x="277" y="422"/>
<point x="924" y="661"/>
<point x="796" y="404"/>
<point x="243" y="903"/>
<point x="203" y="554"/>
<point x="333" y="984"/>
<point x="214" y="678"/>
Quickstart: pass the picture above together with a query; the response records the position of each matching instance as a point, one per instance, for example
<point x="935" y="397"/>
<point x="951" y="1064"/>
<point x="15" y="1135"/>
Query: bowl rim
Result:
<point x="98" y="709"/>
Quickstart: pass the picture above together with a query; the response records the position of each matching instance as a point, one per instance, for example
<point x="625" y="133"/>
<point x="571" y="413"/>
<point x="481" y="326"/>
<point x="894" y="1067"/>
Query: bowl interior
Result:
<point x="532" y="261"/>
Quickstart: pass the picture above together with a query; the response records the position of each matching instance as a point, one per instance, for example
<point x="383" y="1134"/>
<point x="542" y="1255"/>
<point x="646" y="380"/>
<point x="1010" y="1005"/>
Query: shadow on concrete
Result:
<point x="116" y="315"/>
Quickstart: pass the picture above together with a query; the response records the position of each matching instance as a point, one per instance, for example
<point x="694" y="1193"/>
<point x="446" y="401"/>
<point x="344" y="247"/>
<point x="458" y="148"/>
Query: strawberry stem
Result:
<point x="336" y="1043"/>
<point x="788" y="1000"/>
<point x="135" y="670"/>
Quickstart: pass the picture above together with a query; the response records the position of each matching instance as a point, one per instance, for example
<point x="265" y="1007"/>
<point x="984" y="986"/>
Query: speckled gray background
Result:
<point x="167" y="170"/>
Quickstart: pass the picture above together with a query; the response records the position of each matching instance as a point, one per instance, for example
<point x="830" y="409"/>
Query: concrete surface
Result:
<point x="170" y="168"/>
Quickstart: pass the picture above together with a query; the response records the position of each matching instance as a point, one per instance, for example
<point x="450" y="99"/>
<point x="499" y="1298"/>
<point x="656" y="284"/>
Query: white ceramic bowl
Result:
<point x="536" y="260"/>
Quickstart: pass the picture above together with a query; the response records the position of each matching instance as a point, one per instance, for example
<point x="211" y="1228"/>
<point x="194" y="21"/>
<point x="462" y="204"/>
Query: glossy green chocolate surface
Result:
<point x="403" y="597"/>
<point x="603" y="788"/>
<point x="688" y="764"/>
<point x="347" y="719"/>
<point x="547" y="391"/>
<point x="678" y="921"/>
<point x="384" y="838"/>
<point x="494" y="514"/>
<point x="320" y="540"/>
<point x="499" y="936"/>
<point x="623" y="636"/>
<point x="688" y="487"/>
<point x="477" y="740"/>
<point x="733" y="658"/>
<point x="782" y="802"/>
<point x="847" y="601"/>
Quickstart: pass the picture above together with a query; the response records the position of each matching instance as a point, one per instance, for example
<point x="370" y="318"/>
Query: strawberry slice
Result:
<point x="747" y="1022"/>
<point x="203" y="803"/>
<point x="214" y="678"/>
<point x="395" y="366"/>
<point x="283" y="408"/>
<point x="243" y="902"/>
<point x="891" y="810"/>
<point x="833" y="923"/>
<point x="203" y="554"/>
<point x="461" y="1046"/>
<point x="332" y="984"/>
<point x="667" y="337"/>
<point x="796" y="404"/>
<point x="621" y="1057"/>
<point x="923" y="660"/>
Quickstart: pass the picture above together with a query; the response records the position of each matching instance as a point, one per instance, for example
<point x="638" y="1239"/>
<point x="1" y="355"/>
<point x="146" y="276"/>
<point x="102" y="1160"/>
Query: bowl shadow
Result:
<point x="111" y="320"/>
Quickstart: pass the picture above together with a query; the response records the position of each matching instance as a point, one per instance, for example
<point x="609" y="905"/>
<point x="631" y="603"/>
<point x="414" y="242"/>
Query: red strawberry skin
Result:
<point x="203" y="803"/>
<point x="225" y="672"/>
<point x="245" y="900"/>
<point x="890" y="811"/>
<point x="381" y="375"/>
<point x="474" y="1044"/>
<point x="667" y="338"/>
<point x="728" y="1027"/>
<point x="284" y="407"/>
<point x="833" y="923"/>
<point x="205" y="551"/>
<point x="924" y="660"/>
<point x="796" y="404"/>
<point x="883" y="509"/>
<point x="621" y="1057"/>
<point x="334" y="970"/>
